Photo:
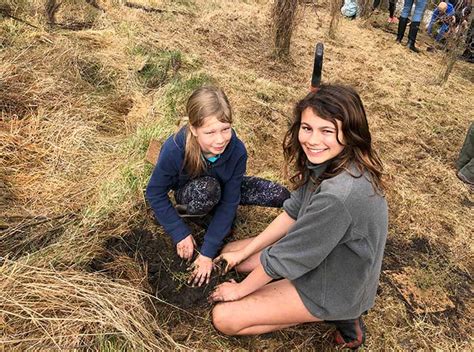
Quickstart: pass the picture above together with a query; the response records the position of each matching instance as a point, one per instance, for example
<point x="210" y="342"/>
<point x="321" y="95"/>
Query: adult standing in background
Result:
<point x="420" y="6"/>
<point x="391" y="10"/>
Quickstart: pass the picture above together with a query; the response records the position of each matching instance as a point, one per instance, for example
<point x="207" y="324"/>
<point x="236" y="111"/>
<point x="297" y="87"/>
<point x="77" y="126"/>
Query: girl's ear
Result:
<point x="193" y="131"/>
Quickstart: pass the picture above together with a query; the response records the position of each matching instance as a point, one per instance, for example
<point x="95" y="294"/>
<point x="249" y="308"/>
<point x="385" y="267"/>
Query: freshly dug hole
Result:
<point x="167" y="274"/>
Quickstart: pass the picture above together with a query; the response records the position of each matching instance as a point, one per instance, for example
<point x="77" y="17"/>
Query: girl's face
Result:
<point x="213" y="136"/>
<point x="318" y="137"/>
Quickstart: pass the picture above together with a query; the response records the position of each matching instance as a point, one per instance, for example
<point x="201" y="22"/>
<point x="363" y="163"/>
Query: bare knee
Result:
<point x="223" y="319"/>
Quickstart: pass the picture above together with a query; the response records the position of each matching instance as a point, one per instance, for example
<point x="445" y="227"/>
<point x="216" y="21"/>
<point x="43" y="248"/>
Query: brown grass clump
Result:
<point x="48" y="309"/>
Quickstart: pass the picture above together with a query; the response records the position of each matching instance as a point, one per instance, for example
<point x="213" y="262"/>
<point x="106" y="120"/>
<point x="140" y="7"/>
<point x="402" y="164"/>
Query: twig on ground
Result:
<point x="152" y="9"/>
<point x="5" y="12"/>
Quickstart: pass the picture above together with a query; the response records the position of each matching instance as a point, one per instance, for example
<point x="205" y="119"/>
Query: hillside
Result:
<point x="82" y="97"/>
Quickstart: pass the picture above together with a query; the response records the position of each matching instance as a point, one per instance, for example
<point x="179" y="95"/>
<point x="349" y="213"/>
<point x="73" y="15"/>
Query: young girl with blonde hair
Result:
<point x="204" y="165"/>
<point x="324" y="251"/>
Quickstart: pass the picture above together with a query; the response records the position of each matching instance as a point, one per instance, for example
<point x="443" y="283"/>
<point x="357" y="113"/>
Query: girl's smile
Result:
<point x="319" y="137"/>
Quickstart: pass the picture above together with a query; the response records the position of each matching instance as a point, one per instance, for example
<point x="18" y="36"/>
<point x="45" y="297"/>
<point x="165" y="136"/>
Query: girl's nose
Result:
<point x="220" y="138"/>
<point x="314" y="139"/>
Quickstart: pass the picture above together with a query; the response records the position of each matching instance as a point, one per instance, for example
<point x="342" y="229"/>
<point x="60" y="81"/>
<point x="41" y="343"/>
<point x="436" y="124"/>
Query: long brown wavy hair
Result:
<point x="204" y="102"/>
<point x="331" y="103"/>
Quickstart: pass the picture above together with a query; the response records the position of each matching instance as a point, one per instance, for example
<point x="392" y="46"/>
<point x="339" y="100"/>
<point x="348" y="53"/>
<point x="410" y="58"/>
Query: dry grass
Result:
<point x="79" y="107"/>
<point x="48" y="309"/>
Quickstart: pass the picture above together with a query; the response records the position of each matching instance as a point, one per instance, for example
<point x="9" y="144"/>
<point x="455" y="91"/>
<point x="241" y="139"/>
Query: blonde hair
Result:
<point x="204" y="102"/>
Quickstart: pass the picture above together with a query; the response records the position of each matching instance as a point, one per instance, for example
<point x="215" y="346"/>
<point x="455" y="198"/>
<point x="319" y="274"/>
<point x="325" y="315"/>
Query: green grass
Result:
<point x="177" y="93"/>
<point x="112" y="343"/>
<point x="160" y="66"/>
<point x="99" y="76"/>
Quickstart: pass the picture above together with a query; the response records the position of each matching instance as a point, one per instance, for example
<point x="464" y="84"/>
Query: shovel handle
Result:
<point x="318" y="67"/>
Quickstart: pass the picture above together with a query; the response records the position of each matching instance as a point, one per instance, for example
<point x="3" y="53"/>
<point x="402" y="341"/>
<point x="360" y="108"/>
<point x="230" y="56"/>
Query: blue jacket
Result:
<point x="168" y="175"/>
<point x="443" y="18"/>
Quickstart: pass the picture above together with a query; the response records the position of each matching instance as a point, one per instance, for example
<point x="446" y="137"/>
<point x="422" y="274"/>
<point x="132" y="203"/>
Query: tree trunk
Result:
<point x="283" y="16"/>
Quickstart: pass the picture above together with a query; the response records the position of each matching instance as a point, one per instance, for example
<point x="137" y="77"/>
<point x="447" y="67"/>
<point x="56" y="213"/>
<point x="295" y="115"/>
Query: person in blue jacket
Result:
<point x="204" y="164"/>
<point x="320" y="259"/>
<point x="444" y="15"/>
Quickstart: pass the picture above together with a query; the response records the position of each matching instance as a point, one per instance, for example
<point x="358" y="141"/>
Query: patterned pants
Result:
<point x="201" y="194"/>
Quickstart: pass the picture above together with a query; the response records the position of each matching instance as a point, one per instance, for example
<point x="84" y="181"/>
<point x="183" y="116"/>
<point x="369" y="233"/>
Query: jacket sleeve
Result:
<point x="293" y="204"/>
<point x="224" y="215"/>
<point x="164" y="175"/>
<point x="313" y="236"/>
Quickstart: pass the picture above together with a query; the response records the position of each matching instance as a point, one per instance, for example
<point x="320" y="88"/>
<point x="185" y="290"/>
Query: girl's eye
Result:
<point x="227" y="129"/>
<point x="305" y="128"/>
<point x="327" y="131"/>
<point x="211" y="132"/>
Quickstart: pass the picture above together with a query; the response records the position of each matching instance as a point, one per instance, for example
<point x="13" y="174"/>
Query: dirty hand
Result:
<point x="226" y="292"/>
<point x="185" y="248"/>
<point x="202" y="268"/>
<point x="231" y="258"/>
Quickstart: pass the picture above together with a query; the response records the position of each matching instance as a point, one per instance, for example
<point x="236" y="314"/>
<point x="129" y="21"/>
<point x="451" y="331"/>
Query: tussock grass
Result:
<point x="42" y="305"/>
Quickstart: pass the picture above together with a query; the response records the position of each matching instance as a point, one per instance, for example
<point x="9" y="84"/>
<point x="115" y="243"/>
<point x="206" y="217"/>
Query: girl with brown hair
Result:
<point x="320" y="259"/>
<point x="204" y="164"/>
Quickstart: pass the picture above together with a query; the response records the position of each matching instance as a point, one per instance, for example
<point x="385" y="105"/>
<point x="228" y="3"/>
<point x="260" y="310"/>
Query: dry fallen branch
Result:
<point x="5" y="11"/>
<point x="152" y="9"/>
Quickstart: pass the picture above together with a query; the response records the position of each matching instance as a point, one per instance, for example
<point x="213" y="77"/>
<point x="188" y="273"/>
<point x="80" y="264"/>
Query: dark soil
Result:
<point x="167" y="273"/>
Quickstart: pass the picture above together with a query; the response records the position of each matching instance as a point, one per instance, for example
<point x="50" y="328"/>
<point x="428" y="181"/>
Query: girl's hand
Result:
<point x="185" y="248"/>
<point x="226" y="292"/>
<point x="202" y="271"/>
<point x="231" y="258"/>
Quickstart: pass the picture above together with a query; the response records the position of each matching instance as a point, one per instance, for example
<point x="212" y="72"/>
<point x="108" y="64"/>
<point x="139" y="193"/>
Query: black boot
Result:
<point x="414" y="26"/>
<point x="349" y="333"/>
<point x="402" y="25"/>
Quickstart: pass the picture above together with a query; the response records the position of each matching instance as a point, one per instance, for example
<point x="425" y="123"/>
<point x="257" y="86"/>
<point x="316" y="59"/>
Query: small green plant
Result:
<point x="112" y="343"/>
<point x="159" y="67"/>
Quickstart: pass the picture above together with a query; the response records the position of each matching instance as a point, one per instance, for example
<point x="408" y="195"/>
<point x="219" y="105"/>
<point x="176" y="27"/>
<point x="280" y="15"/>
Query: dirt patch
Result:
<point x="167" y="274"/>
<point x="429" y="300"/>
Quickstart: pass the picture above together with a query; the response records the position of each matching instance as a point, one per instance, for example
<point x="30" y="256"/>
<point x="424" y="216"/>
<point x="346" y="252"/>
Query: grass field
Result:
<point x="81" y="98"/>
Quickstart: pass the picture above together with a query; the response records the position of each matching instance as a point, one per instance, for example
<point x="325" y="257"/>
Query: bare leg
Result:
<point x="248" y="264"/>
<point x="273" y="307"/>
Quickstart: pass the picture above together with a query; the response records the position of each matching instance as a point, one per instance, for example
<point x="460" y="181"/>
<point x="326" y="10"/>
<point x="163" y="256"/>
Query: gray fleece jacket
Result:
<point x="333" y="253"/>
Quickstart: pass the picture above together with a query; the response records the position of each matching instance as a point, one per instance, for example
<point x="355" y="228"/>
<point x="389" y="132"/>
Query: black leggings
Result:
<point x="200" y="195"/>
<point x="391" y="6"/>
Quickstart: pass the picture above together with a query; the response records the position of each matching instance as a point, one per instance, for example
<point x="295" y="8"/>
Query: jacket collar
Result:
<point x="317" y="169"/>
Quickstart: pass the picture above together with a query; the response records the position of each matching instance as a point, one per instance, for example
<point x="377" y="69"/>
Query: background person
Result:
<point x="465" y="162"/>
<point x="392" y="4"/>
<point x="420" y="6"/>
<point x="443" y="15"/>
